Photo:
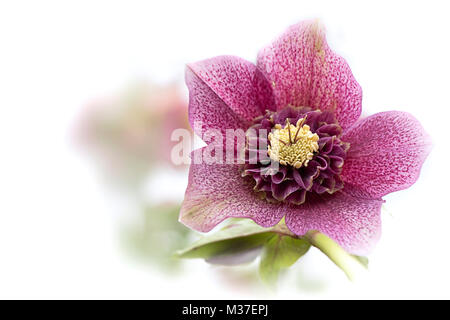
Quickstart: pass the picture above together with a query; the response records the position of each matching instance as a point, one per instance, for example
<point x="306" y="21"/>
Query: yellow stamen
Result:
<point x="293" y="145"/>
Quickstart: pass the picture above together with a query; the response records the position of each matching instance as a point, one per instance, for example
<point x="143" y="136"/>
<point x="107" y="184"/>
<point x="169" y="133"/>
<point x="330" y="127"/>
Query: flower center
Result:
<point x="293" y="145"/>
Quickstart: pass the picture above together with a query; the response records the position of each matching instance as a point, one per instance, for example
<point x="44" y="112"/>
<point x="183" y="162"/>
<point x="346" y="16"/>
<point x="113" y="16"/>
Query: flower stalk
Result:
<point x="348" y="263"/>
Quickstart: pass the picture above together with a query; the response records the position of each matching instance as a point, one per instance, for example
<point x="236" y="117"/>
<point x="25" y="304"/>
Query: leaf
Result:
<point x="236" y="258"/>
<point x="231" y="245"/>
<point x="280" y="252"/>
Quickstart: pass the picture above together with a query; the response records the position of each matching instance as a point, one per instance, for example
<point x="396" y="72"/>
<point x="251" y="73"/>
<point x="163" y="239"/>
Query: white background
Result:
<point x="57" y="234"/>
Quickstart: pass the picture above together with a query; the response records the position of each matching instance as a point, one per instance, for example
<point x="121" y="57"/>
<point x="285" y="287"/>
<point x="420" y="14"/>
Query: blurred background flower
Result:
<point x="128" y="137"/>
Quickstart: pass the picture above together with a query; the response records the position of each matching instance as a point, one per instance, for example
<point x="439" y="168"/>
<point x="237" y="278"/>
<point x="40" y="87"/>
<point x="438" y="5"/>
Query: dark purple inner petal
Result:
<point x="321" y="175"/>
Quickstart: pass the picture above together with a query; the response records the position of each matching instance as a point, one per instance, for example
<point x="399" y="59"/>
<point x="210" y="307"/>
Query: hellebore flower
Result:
<point x="333" y="168"/>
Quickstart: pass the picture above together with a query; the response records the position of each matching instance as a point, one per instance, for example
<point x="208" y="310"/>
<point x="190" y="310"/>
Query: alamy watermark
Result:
<point x="223" y="146"/>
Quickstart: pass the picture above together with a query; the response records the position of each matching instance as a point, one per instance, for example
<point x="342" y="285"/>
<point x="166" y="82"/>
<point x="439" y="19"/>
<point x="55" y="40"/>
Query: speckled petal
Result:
<point x="217" y="191"/>
<point x="226" y="92"/>
<point x="386" y="153"/>
<point x="305" y="72"/>
<point x="348" y="217"/>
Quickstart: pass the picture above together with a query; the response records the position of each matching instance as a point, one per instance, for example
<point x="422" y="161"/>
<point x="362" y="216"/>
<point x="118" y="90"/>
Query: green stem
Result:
<point x="349" y="264"/>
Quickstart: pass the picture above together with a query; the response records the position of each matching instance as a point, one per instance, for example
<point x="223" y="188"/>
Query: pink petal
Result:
<point x="217" y="191"/>
<point x="305" y="72"/>
<point x="386" y="153"/>
<point x="226" y="92"/>
<point x="348" y="217"/>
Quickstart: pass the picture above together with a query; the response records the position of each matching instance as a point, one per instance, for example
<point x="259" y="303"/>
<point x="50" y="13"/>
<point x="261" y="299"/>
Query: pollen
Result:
<point x="293" y="145"/>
